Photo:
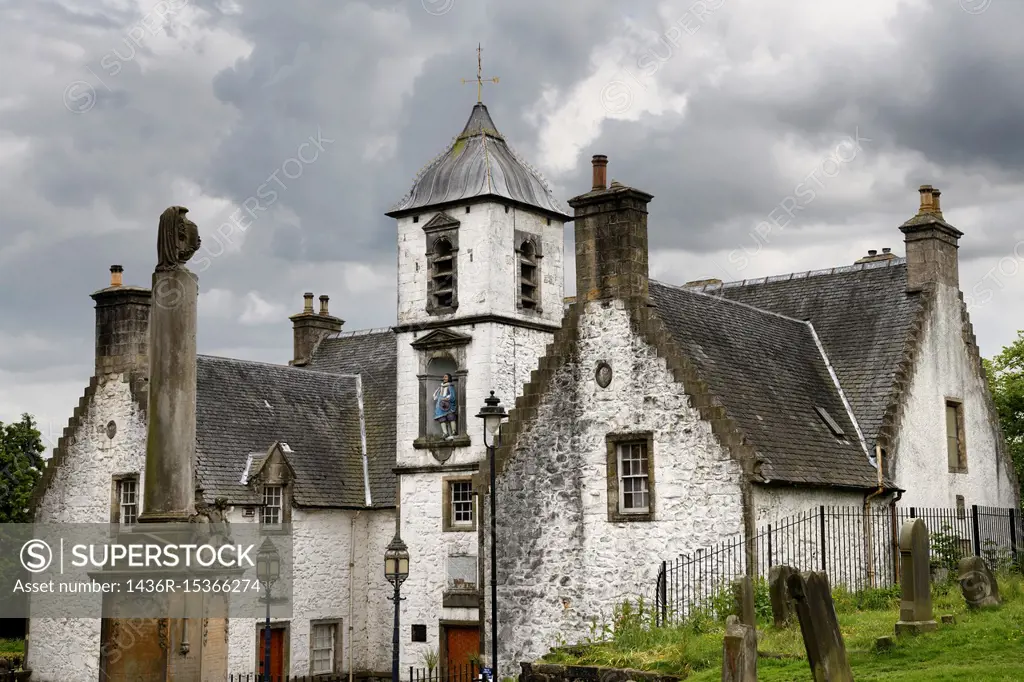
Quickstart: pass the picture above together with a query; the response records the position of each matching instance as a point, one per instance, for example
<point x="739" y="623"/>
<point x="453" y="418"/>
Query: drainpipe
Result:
<point x="351" y="583"/>
<point x="867" y="516"/>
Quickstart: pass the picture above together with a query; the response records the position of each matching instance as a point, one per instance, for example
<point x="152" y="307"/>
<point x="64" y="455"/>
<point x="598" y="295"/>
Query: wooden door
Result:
<point x="276" y="653"/>
<point x="133" y="649"/>
<point x="462" y="645"/>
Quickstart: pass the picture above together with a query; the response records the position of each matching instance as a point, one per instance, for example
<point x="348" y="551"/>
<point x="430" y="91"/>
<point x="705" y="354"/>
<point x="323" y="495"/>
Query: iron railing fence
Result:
<point x="857" y="547"/>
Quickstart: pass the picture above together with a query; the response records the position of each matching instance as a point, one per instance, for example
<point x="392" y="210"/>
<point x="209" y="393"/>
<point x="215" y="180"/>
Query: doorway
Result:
<point x="461" y="650"/>
<point x="278" y="650"/>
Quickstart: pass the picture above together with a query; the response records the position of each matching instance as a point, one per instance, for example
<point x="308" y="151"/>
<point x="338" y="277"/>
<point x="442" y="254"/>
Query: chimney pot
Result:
<point x="308" y="304"/>
<point x="886" y="250"/>
<point x="323" y="304"/>
<point x="930" y="200"/>
<point x="872" y="252"/>
<point x="600" y="163"/>
<point x="115" y="275"/>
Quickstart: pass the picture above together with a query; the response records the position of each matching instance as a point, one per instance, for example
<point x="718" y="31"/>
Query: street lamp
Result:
<point x="268" y="570"/>
<point x="493" y="414"/>
<point x="396" y="570"/>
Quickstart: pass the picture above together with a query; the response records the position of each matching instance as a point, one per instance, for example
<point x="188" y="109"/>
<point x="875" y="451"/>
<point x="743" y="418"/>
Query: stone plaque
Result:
<point x="111" y="429"/>
<point x="603" y="374"/>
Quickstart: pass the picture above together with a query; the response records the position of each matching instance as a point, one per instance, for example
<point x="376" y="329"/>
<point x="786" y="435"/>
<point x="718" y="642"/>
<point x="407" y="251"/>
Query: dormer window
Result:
<point x="528" y="271"/>
<point x="271" y="513"/>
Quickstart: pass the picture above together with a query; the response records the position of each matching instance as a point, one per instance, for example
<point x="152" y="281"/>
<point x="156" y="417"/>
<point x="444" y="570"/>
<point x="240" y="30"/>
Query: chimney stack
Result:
<point x="600" y="164"/>
<point x="932" y="245"/>
<point x="122" y="327"/>
<point x="611" y="240"/>
<point x="310" y="328"/>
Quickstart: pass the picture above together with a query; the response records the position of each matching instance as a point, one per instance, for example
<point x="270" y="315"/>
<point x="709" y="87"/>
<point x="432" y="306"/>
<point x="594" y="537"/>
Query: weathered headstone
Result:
<point x="743" y="598"/>
<point x="783" y="606"/>
<point x="739" y="652"/>
<point x="915" y="580"/>
<point x="977" y="583"/>
<point x="884" y="644"/>
<point x="947" y="619"/>
<point x="819" y="626"/>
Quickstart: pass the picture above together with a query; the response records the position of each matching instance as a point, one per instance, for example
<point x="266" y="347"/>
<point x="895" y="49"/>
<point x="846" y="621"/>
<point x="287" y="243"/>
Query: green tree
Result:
<point x="21" y="466"/>
<point x="1006" y="379"/>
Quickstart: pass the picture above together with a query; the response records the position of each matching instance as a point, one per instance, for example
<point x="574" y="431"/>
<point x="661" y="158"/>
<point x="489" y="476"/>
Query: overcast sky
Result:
<point x="722" y="109"/>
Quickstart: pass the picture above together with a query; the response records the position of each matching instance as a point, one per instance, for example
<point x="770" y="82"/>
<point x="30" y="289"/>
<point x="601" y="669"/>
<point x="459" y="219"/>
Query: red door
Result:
<point x="276" y="653"/>
<point x="462" y="645"/>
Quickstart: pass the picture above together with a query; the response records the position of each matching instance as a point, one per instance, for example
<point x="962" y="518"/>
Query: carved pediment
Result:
<point x="440" y="339"/>
<point x="442" y="221"/>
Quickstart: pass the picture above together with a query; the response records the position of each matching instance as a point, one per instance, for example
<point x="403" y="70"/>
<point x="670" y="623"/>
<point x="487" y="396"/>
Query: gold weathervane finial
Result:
<point x="480" y="80"/>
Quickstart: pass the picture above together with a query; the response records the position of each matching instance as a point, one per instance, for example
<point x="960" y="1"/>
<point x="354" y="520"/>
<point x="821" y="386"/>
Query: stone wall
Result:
<point x="541" y="672"/>
<point x="78" y="490"/>
<point x="562" y="563"/>
<point x="946" y="366"/>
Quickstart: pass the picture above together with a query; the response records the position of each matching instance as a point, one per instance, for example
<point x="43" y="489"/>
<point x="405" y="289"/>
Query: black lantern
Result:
<point x="396" y="562"/>
<point x="493" y="415"/>
<point x="268" y="570"/>
<point x="396" y="570"/>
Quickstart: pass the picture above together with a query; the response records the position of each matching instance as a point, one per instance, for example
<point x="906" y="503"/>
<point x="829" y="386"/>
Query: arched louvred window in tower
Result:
<point x="529" y="275"/>
<point x="442" y="275"/>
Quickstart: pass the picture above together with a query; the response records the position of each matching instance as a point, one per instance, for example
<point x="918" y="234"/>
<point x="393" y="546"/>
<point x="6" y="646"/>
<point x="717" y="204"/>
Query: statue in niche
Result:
<point x="446" y="409"/>
<point x="177" y="239"/>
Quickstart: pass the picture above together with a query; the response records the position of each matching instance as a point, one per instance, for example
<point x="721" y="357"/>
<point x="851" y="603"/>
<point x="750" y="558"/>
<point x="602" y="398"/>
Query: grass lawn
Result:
<point x="983" y="646"/>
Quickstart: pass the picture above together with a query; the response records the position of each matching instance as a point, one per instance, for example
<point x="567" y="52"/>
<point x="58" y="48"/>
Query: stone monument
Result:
<point x="826" y="652"/>
<point x="739" y="652"/>
<point x="743" y="598"/>
<point x="783" y="606"/>
<point x="977" y="583"/>
<point x="169" y="493"/>
<point x="915" y="580"/>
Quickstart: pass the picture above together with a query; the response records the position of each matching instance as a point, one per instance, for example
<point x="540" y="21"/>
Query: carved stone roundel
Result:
<point x="603" y="374"/>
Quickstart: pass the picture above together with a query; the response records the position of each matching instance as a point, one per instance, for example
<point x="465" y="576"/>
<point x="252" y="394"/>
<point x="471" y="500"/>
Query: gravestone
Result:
<point x="977" y="583"/>
<point x="915" y="580"/>
<point x="826" y="652"/>
<point x="743" y="597"/>
<point x="739" y="652"/>
<point x="783" y="606"/>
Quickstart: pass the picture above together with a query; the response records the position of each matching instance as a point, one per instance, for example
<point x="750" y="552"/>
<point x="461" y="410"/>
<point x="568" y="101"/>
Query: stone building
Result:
<point x="650" y="419"/>
<point x="663" y="419"/>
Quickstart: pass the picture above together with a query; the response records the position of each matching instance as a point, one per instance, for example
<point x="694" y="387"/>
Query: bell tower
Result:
<point x="480" y="295"/>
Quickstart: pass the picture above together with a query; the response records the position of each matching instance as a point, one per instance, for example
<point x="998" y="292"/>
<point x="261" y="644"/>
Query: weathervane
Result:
<point x="480" y="80"/>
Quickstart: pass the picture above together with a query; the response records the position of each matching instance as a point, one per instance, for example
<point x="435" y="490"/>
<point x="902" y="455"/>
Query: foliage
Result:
<point x="430" y="660"/>
<point x="1005" y="374"/>
<point x="947" y="551"/>
<point x="983" y="646"/>
<point x="21" y="466"/>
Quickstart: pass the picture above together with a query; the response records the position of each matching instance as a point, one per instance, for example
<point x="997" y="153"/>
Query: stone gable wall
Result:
<point x="562" y="564"/>
<point x="945" y="366"/>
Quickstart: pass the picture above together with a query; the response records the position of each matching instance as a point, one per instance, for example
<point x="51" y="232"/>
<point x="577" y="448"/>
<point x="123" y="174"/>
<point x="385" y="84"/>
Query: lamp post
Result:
<point x="396" y="570"/>
<point x="268" y="570"/>
<point x="493" y="414"/>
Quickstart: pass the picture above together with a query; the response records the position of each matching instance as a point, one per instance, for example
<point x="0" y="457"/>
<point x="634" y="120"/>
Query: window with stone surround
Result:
<point x="956" y="448"/>
<point x="462" y="572"/>
<point x="528" y="256"/>
<point x="630" y="476"/>
<point x="325" y="647"/>
<point x="459" y="513"/>
<point x="271" y="513"/>
<point x="442" y="240"/>
<point x="125" y="512"/>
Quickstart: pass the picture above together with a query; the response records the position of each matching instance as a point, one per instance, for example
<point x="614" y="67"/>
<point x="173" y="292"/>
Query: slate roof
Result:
<point x="479" y="163"/>
<point x="770" y="375"/>
<point x="862" y="314"/>
<point x="243" y="408"/>
<point x="373" y="354"/>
